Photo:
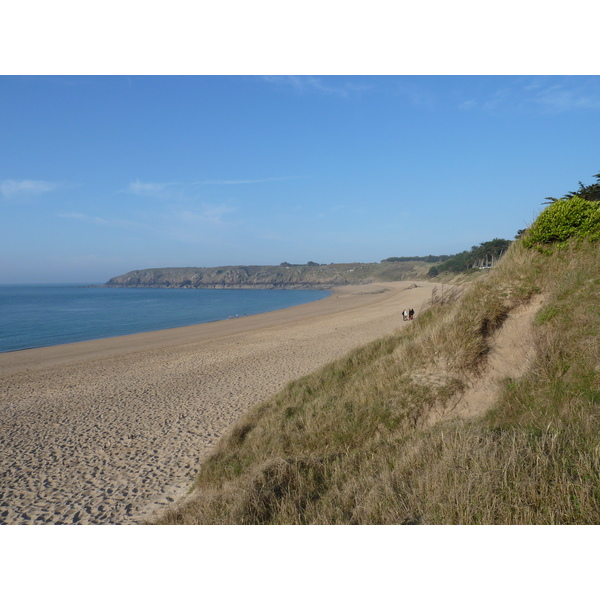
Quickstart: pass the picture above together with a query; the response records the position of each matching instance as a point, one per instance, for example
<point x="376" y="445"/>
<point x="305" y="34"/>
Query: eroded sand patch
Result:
<point x="510" y="355"/>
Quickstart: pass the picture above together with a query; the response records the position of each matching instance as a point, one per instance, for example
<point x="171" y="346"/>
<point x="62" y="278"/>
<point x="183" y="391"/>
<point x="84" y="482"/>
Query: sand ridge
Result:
<point x="111" y="431"/>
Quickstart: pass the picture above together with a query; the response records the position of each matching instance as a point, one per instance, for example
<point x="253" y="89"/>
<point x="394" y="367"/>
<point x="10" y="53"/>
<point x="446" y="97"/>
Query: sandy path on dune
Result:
<point x="511" y="352"/>
<point x="111" y="431"/>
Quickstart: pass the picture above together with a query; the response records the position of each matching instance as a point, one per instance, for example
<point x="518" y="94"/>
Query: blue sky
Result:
<point x="100" y="175"/>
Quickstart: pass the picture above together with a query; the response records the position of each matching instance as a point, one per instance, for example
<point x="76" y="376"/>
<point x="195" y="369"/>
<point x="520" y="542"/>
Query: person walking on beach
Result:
<point x="411" y="314"/>
<point x="404" y="315"/>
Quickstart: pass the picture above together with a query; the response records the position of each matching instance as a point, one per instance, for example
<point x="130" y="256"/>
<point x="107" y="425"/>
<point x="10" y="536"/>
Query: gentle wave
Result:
<point x="33" y="316"/>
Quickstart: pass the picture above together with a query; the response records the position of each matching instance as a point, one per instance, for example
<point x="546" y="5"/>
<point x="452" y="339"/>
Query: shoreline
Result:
<point x="113" y="430"/>
<point x="118" y="335"/>
<point x="40" y="356"/>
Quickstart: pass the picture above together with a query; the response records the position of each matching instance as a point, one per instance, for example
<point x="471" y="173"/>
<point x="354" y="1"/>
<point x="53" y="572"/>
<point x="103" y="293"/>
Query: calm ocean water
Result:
<point x="32" y="316"/>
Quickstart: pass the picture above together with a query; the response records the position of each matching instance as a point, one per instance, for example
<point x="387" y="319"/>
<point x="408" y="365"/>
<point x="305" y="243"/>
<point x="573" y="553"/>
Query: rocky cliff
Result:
<point x="311" y="276"/>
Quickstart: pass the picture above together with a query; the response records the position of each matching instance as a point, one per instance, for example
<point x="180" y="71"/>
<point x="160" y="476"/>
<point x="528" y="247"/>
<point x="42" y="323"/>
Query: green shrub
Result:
<point x="564" y="219"/>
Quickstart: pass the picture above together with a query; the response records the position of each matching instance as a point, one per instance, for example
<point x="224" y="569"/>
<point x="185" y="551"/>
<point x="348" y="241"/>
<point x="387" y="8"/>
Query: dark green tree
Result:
<point x="587" y="192"/>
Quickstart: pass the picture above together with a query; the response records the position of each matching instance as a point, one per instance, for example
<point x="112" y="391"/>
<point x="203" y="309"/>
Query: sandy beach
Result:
<point x="113" y="430"/>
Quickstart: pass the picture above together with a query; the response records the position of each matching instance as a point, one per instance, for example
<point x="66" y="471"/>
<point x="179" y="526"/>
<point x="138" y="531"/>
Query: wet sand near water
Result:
<point x="113" y="430"/>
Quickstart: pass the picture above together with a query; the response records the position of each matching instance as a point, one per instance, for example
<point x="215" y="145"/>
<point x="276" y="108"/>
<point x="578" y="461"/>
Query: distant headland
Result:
<point x="313" y="275"/>
<point x="284" y="276"/>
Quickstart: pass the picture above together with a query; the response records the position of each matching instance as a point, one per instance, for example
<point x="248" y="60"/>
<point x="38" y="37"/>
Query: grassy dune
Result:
<point x="356" y="442"/>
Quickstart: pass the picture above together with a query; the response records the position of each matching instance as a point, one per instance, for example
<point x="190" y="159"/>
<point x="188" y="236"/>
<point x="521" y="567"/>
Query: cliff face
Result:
<point x="292" y="276"/>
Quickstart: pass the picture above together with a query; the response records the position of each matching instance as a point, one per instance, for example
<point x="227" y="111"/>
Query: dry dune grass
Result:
<point x="354" y="442"/>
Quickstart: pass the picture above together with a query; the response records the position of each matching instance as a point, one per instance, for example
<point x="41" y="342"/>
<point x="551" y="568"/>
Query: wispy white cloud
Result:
<point x="102" y="221"/>
<point x="502" y="97"/>
<point x="11" y="188"/>
<point x="413" y="90"/>
<point x="332" y="86"/>
<point x="243" y="181"/>
<point x="158" y="190"/>
<point x="206" y="225"/>
<point x="545" y="95"/>
<point x="189" y="226"/>
<point x="139" y="187"/>
<point x="567" y="96"/>
<point x="277" y="237"/>
<point x="336" y="209"/>
<point x="468" y="104"/>
<point x="212" y="215"/>
<point x="187" y="190"/>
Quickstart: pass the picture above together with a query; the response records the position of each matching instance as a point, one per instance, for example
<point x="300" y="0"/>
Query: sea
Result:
<point x="34" y="316"/>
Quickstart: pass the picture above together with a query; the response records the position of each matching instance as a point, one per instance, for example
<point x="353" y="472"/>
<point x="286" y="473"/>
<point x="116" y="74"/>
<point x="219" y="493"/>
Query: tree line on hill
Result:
<point x="430" y="258"/>
<point x="478" y="257"/>
<point x="481" y="256"/>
